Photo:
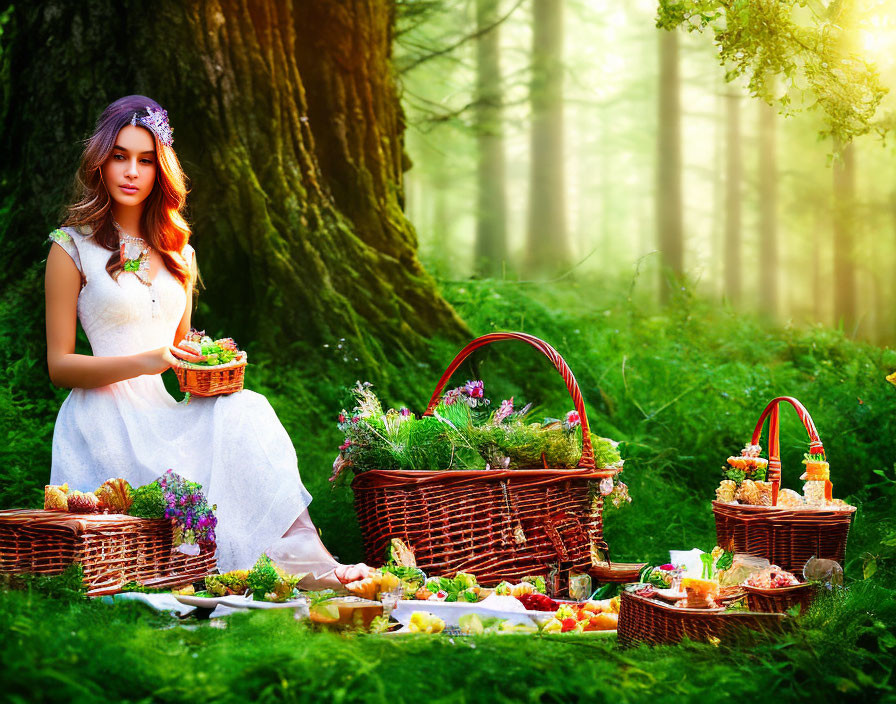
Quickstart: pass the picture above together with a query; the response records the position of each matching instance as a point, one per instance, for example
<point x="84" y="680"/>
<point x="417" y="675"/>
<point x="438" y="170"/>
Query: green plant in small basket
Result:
<point x="211" y="352"/>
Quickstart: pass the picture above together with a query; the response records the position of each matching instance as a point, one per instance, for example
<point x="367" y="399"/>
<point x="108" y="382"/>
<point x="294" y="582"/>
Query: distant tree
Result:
<point x="733" y="183"/>
<point x="768" y="212"/>
<point x="845" y="308"/>
<point x="547" y="249"/>
<point x="668" y="199"/>
<point x="491" y="210"/>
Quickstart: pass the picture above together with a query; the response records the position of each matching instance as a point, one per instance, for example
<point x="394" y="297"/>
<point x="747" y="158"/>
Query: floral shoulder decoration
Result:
<point x="58" y="235"/>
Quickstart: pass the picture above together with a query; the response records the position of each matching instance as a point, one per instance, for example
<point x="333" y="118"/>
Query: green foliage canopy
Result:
<point x="808" y="45"/>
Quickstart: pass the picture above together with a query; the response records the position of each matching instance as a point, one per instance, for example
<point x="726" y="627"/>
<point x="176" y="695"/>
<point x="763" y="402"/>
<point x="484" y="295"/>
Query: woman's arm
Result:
<point x="70" y="370"/>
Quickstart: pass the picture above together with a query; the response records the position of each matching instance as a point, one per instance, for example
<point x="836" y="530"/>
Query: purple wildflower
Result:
<point x="474" y="389"/>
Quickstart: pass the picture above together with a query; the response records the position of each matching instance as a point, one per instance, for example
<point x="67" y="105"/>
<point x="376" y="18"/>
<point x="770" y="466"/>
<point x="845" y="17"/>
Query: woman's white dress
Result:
<point x="233" y="445"/>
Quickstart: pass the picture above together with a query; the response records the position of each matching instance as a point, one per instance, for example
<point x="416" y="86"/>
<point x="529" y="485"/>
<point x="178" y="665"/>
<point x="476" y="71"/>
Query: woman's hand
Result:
<point x="351" y="573"/>
<point x="157" y="361"/>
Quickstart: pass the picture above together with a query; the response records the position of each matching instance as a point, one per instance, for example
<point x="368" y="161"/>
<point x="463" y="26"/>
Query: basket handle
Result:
<point x="587" y="459"/>
<point x="774" y="450"/>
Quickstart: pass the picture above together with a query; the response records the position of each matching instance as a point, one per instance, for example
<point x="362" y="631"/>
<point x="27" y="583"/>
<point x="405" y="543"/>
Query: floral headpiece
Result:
<point x="157" y="121"/>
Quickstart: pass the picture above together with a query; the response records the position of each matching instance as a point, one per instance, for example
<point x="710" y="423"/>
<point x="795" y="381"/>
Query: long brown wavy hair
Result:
<point x="162" y="222"/>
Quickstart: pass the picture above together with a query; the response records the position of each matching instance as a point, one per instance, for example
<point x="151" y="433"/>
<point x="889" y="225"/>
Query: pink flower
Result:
<point x="505" y="410"/>
<point x="356" y="420"/>
<point x="667" y="567"/>
<point x="347" y="444"/>
<point x="572" y="419"/>
<point x="452" y="396"/>
<point x="405" y="412"/>
<point x="341" y="418"/>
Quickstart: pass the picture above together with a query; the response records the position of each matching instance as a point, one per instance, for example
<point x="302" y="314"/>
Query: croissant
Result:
<point x="748" y="493"/>
<point x="726" y="491"/>
<point x="55" y="498"/>
<point x="115" y="496"/>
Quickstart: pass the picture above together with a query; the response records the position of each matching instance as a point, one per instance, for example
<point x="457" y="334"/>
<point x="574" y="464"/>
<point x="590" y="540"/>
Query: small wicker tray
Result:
<point x="212" y="381"/>
<point x="113" y="549"/>
<point x="780" y="600"/>
<point x="645" y="620"/>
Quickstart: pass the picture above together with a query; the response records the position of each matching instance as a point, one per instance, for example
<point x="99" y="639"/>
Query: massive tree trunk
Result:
<point x="844" y="266"/>
<point x="547" y="250"/>
<point x="288" y="123"/>
<point x="768" y="212"/>
<point x="733" y="279"/>
<point x="491" y="225"/>
<point x="668" y="182"/>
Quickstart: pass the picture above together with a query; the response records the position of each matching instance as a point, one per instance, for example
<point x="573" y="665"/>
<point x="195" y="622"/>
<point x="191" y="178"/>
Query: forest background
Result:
<point x="374" y="183"/>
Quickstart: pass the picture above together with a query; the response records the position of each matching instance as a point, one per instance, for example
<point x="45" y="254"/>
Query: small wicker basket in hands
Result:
<point x="212" y="381"/>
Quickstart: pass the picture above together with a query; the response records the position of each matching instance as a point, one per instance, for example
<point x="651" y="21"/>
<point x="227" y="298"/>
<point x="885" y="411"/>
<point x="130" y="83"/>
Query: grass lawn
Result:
<point x="680" y="388"/>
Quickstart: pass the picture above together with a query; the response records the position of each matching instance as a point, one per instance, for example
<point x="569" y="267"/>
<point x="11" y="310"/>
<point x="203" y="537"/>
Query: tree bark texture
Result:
<point x="287" y="121"/>
<point x="844" y="265"/>
<point x="547" y="249"/>
<point x="768" y="212"/>
<point x="491" y="210"/>
<point x="733" y="178"/>
<point x="668" y="185"/>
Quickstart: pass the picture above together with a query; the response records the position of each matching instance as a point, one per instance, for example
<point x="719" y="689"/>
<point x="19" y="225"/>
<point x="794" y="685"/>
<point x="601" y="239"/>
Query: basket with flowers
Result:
<point x="471" y="487"/>
<point x="160" y="534"/>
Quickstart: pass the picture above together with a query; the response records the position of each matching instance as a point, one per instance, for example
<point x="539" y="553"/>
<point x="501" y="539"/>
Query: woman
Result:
<point x="122" y="265"/>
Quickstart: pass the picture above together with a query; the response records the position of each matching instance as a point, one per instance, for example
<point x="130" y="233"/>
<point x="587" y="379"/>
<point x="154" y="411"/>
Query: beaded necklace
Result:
<point x="134" y="254"/>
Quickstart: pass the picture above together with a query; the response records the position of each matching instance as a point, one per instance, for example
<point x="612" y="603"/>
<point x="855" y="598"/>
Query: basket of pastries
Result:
<point x="755" y="515"/>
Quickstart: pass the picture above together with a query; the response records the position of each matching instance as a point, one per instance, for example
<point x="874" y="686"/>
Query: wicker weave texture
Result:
<point x="780" y="600"/>
<point x="643" y="620"/>
<point x="113" y="549"/>
<point x="785" y="537"/>
<point x="497" y="524"/>
<point x="212" y="381"/>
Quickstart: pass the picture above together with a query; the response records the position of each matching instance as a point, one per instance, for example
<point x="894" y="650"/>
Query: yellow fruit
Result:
<point x="389" y="582"/>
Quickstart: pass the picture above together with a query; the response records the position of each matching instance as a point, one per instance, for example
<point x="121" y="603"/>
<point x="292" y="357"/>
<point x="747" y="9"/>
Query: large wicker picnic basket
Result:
<point x="499" y="524"/>
<point x="112" y="549"/>
<point x="785" y="536"/>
